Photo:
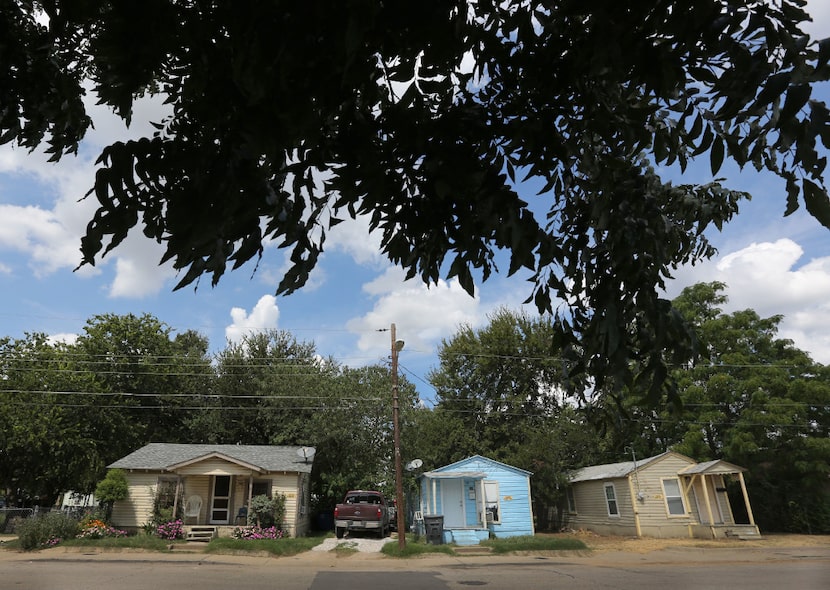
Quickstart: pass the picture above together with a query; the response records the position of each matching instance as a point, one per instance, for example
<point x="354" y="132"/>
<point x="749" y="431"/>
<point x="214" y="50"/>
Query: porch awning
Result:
<point x="454" y="475"/>
<point x="711" y="468"/>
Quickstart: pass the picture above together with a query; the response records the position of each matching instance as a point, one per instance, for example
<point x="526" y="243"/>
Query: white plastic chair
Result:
<point x="193" y="508"/>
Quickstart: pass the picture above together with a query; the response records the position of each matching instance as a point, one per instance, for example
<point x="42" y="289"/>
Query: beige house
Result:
<point x="212" y="485"/>
<point x="668" y="495"/>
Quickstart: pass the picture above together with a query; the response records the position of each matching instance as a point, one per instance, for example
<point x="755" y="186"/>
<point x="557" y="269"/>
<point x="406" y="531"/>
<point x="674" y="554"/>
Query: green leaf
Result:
<point x="817" y="202"/>
<point x="716" y="155"/>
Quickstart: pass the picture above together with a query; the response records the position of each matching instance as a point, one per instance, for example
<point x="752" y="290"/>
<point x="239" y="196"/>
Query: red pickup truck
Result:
<point x="362" y="510"/>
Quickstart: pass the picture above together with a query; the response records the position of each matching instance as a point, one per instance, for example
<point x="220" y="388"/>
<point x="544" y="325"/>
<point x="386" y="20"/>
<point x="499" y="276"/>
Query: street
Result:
<point x="804" y="568"/>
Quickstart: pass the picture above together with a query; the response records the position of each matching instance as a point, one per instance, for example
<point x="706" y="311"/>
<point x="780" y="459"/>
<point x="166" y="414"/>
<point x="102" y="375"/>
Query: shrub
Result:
<point x="268" y="511"/>
<point x="112" y="488"/>
<point x="171" y="530"/>
<point x="46" y="530"/>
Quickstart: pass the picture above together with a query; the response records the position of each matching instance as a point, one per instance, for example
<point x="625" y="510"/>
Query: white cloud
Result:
<point x="353" y="238"/>
<point x="264" y="316"/>
<point x="422" y="315"/>
<point x="765" y="277"/>
<point x="66" y="338"/>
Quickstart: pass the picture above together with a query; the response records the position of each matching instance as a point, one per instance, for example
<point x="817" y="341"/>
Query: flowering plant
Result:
<point x="171" y="530"/>
<point x="97" y="529"/>
<point x="255" y="532"/>
<point x="50" y="542"/>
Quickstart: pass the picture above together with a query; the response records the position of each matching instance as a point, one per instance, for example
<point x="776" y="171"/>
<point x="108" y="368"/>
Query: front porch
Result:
<point x="455" y="501"/>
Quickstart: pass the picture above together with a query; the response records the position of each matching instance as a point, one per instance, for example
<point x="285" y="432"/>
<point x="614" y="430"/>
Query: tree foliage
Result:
<point x="752" y="399"/>
<point x="499" y="392"/>
<point x="435" y="121"/>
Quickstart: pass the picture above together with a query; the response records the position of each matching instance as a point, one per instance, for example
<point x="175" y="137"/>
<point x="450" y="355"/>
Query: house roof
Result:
<point x="459" y="466"/>
<point x="617" y="470"/>
<point x="168" y="456"/>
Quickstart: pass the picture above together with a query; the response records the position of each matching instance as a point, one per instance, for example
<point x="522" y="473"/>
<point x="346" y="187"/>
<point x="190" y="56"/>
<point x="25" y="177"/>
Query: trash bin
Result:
<point x="434" y="526"/>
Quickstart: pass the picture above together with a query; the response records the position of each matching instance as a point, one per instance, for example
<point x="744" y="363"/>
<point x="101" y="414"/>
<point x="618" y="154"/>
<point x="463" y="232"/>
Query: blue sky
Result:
<point x="772" y="264"/>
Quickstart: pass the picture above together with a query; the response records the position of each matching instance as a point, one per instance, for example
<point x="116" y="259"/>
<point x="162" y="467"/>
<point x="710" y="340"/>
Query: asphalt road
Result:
<point x="804" y="568"/>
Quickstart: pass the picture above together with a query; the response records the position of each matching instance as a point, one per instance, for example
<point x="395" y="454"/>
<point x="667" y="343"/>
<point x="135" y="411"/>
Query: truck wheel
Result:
<point x="338" y="532"/>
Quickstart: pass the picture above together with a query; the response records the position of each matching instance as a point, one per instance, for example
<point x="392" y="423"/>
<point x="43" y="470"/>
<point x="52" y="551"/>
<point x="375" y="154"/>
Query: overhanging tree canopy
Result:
<point x="432" y="119"/>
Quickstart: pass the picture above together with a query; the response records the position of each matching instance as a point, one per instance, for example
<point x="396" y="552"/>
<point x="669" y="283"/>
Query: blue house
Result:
<point x="477" y="497"/>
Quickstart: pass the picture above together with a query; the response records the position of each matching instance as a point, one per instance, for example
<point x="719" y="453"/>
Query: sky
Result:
<point x="772" y="264"/>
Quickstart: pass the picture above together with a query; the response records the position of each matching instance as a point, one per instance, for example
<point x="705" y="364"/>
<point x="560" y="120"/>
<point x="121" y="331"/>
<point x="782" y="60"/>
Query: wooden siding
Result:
<point x="516" y="515"/>
<point x="137" y="509"/>
<point x="592" y="508"/>
<point x="214" y="466"/>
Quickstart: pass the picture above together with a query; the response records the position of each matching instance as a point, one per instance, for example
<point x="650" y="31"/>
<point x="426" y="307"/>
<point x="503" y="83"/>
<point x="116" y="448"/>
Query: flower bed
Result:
<point x="97" y="529"/>
<point x="255" y="532"/>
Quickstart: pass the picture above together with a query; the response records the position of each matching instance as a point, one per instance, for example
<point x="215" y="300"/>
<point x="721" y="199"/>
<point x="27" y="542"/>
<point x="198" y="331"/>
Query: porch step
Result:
<point x="744" y="534"/>
<point x="464" y="538"/>
<point x="201" y="533"/>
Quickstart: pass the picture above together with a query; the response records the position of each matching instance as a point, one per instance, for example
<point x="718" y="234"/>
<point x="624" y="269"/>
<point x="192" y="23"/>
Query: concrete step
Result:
<point x="464" y="538"/>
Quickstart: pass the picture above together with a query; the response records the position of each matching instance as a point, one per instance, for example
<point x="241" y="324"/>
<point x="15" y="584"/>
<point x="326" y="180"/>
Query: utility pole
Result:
<point x="397" y="345"/>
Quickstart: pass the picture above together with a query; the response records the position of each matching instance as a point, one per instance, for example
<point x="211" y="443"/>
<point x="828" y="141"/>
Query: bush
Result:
<point x="46" y="530"/>
<point x="171" y="530"/>
<point x="268" y="511"/>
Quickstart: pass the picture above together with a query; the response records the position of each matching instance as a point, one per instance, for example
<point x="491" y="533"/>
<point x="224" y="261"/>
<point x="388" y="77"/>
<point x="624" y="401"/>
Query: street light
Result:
<point x="397" y="346"/>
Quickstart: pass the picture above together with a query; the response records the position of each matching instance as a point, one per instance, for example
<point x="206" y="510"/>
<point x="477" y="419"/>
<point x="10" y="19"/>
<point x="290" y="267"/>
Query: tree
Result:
<point x="757" y="401"/>
<point x="113" y="488"/>
<point x="151" y="377"/>
<point x="434" y="121"/>
<point x="499" y="393"/>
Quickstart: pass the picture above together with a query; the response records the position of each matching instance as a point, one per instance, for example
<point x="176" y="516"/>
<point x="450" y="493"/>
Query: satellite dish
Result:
<point x="306" y="453"/>
<point x="414" y="464"/>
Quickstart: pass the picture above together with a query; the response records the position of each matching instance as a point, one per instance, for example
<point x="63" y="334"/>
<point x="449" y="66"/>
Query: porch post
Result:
<point x="708" y="506"/>
<point x="250" y="495"/>
<point x="746" y="499"/>
<point x="482" y="506"/>
<point x="434" y="494"/>
<point x="176" y="498"/>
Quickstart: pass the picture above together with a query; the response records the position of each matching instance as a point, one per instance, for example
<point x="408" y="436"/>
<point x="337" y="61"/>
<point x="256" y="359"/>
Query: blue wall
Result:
<point x="514" y="495"/>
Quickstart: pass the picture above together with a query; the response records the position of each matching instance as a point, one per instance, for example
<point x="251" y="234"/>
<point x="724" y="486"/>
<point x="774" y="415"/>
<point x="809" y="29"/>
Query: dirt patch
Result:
<point x="602" y="543"/>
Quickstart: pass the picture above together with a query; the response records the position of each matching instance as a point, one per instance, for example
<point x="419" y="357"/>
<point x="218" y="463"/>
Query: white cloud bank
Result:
<point x="765" y="277"/>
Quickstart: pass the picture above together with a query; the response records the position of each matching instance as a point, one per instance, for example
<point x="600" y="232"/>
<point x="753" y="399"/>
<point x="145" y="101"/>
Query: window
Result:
<point x="491" y="501"/>
<point x="261" y="487"/>
<point x="166" y="492"/>
<point x="611" y="500"/>
<point x="569" y="493"/>
<point x="674" y="499"/>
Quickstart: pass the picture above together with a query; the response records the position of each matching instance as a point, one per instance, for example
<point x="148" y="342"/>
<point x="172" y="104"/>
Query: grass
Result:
<point x="277" y="547"/>
<point x="533" y="543"/>
<point x="414" y="548"/>
<point x="141" y="541"/>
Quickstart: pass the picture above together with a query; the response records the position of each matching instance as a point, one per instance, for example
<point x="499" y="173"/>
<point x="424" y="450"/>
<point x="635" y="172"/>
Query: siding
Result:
<point x="655" y="520"/>
<point x="516" y="515"/>
<point x="137" y="509"/>
<point x="592" y="508"/>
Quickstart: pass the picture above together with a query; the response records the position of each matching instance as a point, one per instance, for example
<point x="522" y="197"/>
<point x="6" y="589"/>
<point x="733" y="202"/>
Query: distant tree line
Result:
<point x="68" y="410"/>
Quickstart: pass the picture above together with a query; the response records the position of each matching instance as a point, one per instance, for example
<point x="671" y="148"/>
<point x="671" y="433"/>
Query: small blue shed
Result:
<point x="477" y="497"/>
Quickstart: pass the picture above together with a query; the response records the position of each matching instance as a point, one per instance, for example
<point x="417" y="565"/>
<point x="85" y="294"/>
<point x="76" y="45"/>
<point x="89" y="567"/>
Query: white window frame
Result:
<point x="611" y="499"/>
<point x="569" y="495"/>
<point x="492" y="500"/>
<point x="674" y="497"/>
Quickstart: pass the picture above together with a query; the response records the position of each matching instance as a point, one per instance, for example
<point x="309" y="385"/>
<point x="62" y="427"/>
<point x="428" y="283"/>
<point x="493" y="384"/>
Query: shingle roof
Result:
<point x="160" y="456"/>
<point x="611" y="470"/>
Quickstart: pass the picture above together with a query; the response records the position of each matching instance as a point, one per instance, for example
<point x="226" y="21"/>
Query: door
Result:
<point x="452" y="501"/>
<point x="704" y="487"/>
<point x="221" y="503"/>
